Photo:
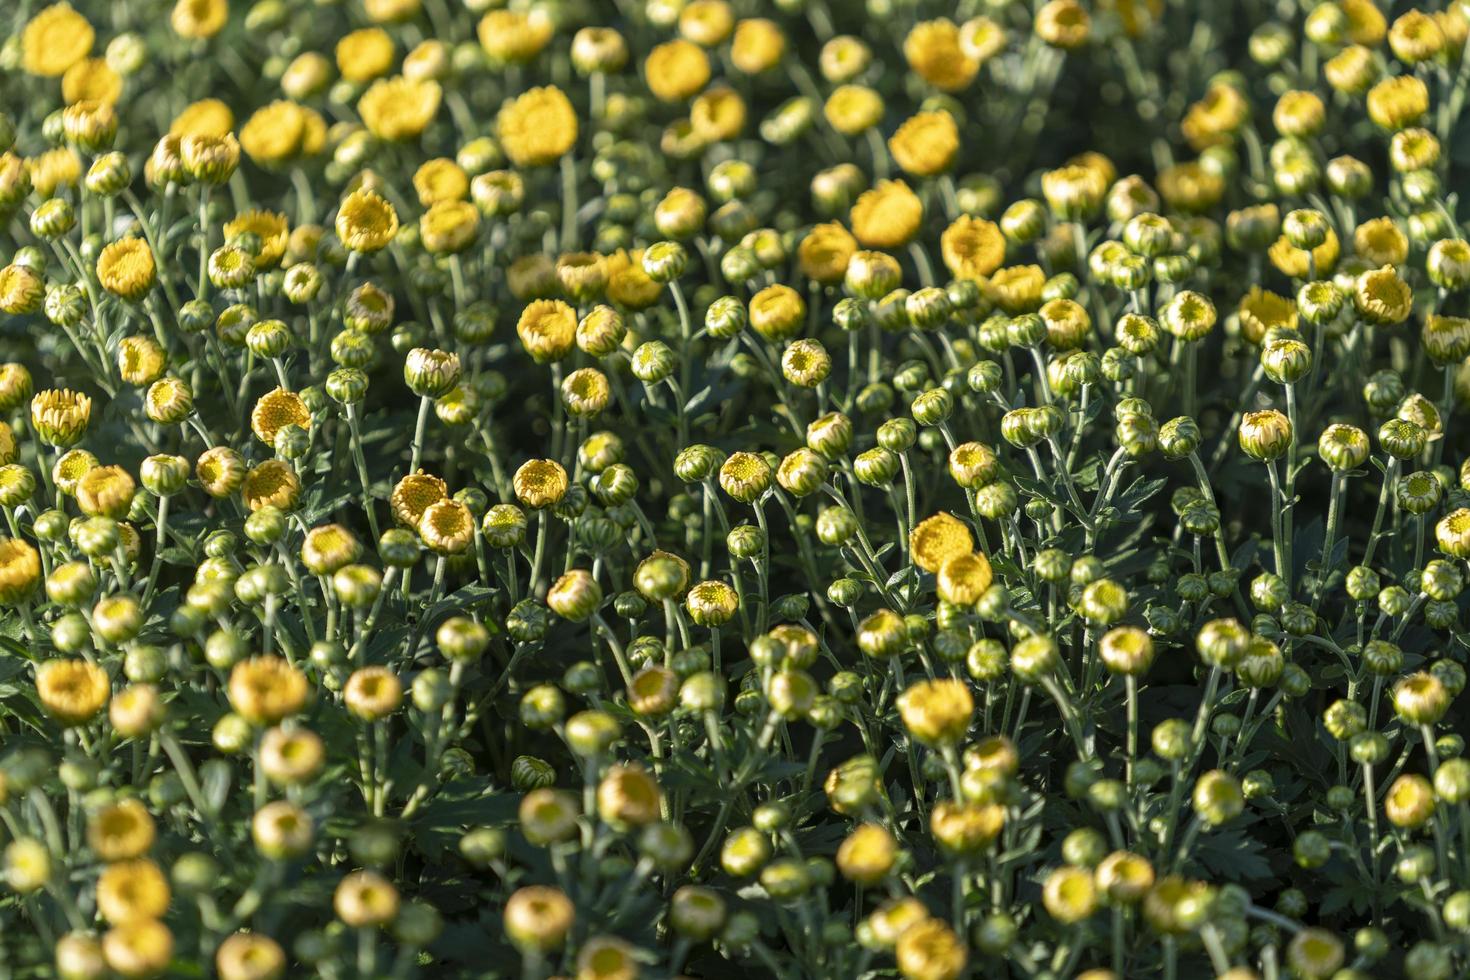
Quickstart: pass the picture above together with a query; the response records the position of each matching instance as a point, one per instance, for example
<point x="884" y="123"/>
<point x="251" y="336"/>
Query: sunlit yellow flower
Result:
<point x="199" y="18"/>
<point x="628" y="285"/>
<point x="366" y="222"/>
<point x="364" y="55"/>
<point x="121" y="830"/>
<point x="126" y="268"/>
<point x="934" y="53"/>
<point x="540" y="483"/>
<point x="266" y="689"/>
<point x="91" y="79"/>
<point x="825" y="252"/>
<point x="414" y="494"/>
<point x="972" y="248"/>
<point x="60" y="416"/>
<point x="373" y="692"/>
<point x="853" y="109"/>
<point x="72" y="691"/>
<point x="207" y="117"/>
<point x="20" y="570"/>
<point x="757" y="46"/>
<point x="537" y="127"/>
<point x="1295" y="262"/>
<point x="888" y="216"/>
<point x="926" y="143"/>
<point x="270" y="227"/>
<point x="281" y="131"/>
<point x="399" y="108"/>
<point x="440" y="179"/>
<point x="676" y="70"/>
<point x="514" y="37"/>
<point x="55" y="39"/>
<point x="935" y="540"/>
<point x="54" y="169"/>
<point x="718" y="114"/>
<point x="274" y="411"/>
<point x="271" y="484"/>
<point x="449" y="226"/>
<point x="250" y="956"/>
<point x="141" y="948"/>
<point x="132" y="890"/>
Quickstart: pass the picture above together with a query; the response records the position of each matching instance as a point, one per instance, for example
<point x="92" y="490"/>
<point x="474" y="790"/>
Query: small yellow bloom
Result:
<point x="972" y="248"/>
<point x="398" y="108"/>
<point x="365" y="54"/>
<point x="121" y="830"/>
<point x="934" y="53"/>
<point x="676" y="70"/>
<point x="1292" y="261"/>
<point x="250" y="956"/>
<point x="537" y="127"/>
<point x="265" y="689"/>
<point x="825" y="252"/>
<point x="105" y="491"/>
<point x="372" y="693"/>
<point x="758" y="45"/>
<point x="199" y="18"/>
<point x="888" y="216"/>
<point x="853" y="109"/>
<point x="447" y="527"/>
<point x="133" y="890"/>
<point x="141" y="948"/>
<point x="937" y="539"/>
<point x="20" y="570"/>
<point x="270" y="227"/>
<point x="54" y="40"/>
<point x="926" y="144"/>
<point x="440" y="179"/>
<point x="72" y="691"/>
<point x="60" y="416"/>
<point x="540" y="483"/>
<point x="414" y="494"/>
<point x="366" y="221"/>
<point x="548" y="329"/>
<point x="91" y="79"/>
<point x="281" y="131"/>
<point x="274" y="411"/>
<point x="271" y="484"/>
<point x="207" y="117"/>
<point x="449" y="226"/>
<point x="628" y="285"/>
<point x="54" y="170"/>
<point x="126" y="268"/>
<point x="514" y="37"/>
<point x="718" y="114"/>
<point x="937" y="712"/>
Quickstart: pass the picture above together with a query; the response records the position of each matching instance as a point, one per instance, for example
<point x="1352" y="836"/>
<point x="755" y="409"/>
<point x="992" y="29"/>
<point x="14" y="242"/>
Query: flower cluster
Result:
<point x="709" y="488"/>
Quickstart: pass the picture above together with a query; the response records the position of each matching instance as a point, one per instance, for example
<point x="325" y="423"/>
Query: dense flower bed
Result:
<point x="806" y="488"/>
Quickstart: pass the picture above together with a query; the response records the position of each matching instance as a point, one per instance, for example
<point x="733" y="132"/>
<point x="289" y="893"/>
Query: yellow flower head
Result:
<point x="514" y="37"/>
<point x="271" y="484"/>
<point x="72" y="691"/>
<point x="537" y="127"/>
<point x="676" y="70"/>
<point x="132" y="891"/>
<point x="888" y="216"/>
<point x="825" y="252"/>
<point x="20" y="570"/>
<point x="628" y="285"/>
<point x="1398" y="101"/>
<point x="414" y="494"/>
<point x="399" y="108"/>
<point x="548" y="329"/>
<point x="718" y="114"/>
<point x="274" y="411"/>
<point x="758" y="45"/>
<point x="937" y="539"/>
<point x="60" y="416"/>
<point x="105" y="491"/>
<point x="449" y="226"/>
<point x="54" y="169"/>
<point x="270" y="227"/>
<point x="121" y="830"/>
<point x="1292" y="261"/>
<point x="126" y="268"/>
<point x="934" y="53"/>
<point x="207" y="117"/>
<point x="1261" y="311"/>
<point x="853" y="109"/>
<point x="1381" y="242"/>
<point x="972" y="248"/>
<point x="281" y="131"/>
<point x="365" y="54"/>
<point x="91" y="79"/>
<point x="366" y="221"/>
<point x="440" y="179"/>
<point x="54" y="40"/>
<point x="265" y="689"/>
<point x="199" y="18"/>
<point x="926" y="143"/>
<point x="937" y="712"/>
<point x="540" y="483"/>
<point x="447" y="527"/>
<point x="220" y="471"/>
